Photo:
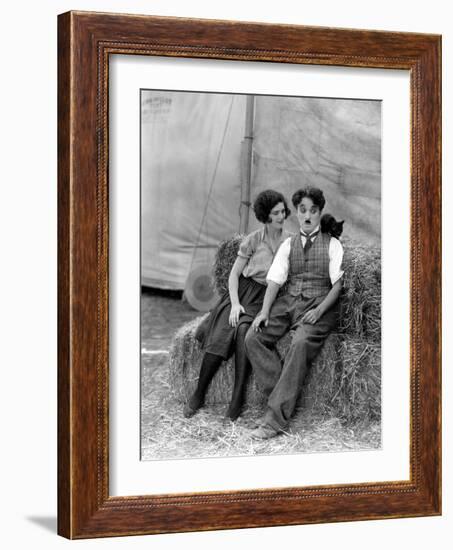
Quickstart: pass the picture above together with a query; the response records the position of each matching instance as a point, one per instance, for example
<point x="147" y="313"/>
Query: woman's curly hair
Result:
<point x="265" y="202"/>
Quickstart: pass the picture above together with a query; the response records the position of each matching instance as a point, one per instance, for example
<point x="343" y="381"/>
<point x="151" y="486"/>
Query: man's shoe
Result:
<point x="264" y="432"/>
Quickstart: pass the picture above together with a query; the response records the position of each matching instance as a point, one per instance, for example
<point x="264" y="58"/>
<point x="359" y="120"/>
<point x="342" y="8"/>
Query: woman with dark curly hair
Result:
<point x="224" y="330"/>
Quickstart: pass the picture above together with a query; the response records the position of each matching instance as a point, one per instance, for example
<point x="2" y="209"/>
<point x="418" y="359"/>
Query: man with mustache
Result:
<point x="310" y="265"/>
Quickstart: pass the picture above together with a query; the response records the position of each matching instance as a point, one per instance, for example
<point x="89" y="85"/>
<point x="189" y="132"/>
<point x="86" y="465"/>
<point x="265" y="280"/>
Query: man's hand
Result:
<point x="260" y="319"/>
<point x="235" y="314"/>
<point x="312" y="316"/>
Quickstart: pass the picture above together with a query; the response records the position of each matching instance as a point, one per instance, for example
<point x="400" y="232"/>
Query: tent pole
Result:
<point x="245" y="187"/>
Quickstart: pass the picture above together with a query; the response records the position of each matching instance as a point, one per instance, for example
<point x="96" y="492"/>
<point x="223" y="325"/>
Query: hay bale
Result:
<point x="344" y="381"/>
<point x="359" y="382"/>
<point x="225" y="257"/>
<point x="360" y="302"/>
<point x="184" y="367"/>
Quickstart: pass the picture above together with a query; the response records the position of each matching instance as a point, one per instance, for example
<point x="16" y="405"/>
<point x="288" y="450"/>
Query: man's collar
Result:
<point x="312" y="234"/>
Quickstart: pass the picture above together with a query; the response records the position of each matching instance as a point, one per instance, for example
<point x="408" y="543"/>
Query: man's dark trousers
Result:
<point x="283" y="384"/>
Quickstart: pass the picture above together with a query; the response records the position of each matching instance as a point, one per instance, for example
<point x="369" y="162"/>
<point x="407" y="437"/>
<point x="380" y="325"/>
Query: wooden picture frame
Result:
<point x="85" y="41"/>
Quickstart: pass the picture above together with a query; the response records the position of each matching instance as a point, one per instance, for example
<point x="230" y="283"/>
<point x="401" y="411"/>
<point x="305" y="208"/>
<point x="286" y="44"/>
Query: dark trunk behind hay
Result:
<point x="344" y="381"/>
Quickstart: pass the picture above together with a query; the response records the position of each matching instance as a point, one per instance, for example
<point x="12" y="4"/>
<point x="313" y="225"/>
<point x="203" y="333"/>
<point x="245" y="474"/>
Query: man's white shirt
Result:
<point x="278" y="272"/>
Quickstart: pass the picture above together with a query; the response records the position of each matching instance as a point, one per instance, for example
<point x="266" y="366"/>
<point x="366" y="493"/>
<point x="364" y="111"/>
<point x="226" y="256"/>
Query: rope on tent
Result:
<point x="211" y="185"/>
<point x="199" y="290"/>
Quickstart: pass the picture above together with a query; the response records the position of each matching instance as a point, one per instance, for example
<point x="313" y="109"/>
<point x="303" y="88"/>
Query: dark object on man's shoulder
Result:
<point x="330" y="225"/>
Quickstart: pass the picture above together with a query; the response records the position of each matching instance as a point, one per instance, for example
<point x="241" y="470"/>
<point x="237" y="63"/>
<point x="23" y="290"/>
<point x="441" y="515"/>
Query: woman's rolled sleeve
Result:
<point x="247" y="246"/>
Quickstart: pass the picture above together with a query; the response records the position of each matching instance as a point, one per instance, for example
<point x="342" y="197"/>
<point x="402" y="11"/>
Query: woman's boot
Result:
<point x="209" y="367"/>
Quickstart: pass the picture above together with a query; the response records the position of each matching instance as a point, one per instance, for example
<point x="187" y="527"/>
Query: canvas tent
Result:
<point x="193" y="166"/>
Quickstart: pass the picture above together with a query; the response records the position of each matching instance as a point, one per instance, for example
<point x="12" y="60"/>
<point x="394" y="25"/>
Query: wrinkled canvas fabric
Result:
<point x="193" y="166"/>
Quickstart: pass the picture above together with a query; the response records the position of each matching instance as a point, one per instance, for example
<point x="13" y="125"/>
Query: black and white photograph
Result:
<point x="226" y="285"/>
<point x="260" y="274"/>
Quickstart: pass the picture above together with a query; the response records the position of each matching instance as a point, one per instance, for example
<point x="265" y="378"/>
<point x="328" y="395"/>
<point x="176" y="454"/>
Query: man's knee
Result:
<point x="299" y="341"/>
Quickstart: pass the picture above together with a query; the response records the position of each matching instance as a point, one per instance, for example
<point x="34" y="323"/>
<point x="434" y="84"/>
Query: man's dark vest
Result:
<point x="308" y="273"/>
